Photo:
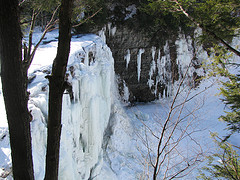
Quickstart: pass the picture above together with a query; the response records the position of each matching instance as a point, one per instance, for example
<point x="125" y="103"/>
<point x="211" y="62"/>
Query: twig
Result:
<point x="21" y="2"/>
<point x="89" y="17"/>
<point x="27" y="62"/>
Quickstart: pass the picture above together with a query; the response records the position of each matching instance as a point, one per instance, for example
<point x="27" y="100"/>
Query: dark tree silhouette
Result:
<point x="56" y="89"/>
<point x="14" y="90"/>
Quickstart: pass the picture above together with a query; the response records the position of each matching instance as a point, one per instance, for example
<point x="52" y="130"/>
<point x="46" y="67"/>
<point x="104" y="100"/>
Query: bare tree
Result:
<point x="164" y="156"/>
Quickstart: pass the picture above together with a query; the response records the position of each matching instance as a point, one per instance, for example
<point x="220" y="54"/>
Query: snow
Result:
<point x="132" y="10"/>
<point x="100" y="138"/>
<point x="5" y="152"/>
<point x="125" y="92"/>
<point x="198" y="124"/>
<point x="2" y="109"/>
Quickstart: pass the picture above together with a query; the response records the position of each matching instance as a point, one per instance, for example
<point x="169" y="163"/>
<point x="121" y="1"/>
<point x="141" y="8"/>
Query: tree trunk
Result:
<point x="56" y="89"/>
<point x="14" y="90"/>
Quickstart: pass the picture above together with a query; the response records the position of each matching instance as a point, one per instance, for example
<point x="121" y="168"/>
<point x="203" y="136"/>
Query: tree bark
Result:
<point x="14" y="90"/>
<point x="56" y="89"/>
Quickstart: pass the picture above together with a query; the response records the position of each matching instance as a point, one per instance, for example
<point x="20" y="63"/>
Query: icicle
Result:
<point x="127" y="58"/>
<point x="159" y="62"/>
<point x="109" y="28"/>
<point x="139" y="59"/>
<point x="166" y="49"/>
<point x="153" y="68"/>
<point x="113" y="30"/>
<point x="86" y="58"/>
<point x="153" y="53"/>
<point x="125" y="92"/>
<point x="151" y="72"/>
<point x="150" y="83"/>
<point x="102" y="34"/>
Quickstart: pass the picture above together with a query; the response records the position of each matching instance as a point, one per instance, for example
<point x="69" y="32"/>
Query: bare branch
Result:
<point x="53" y="15"/>
<point x="21" y="2"/>
<point x="34" y="16"/>
<point x="184" y="169"/>
<point x="171" y="135"/>
<point x="154" y="135"/>
<point x="166" y="123"/>
<point x="31" y="53"/>
<point x="148" y="148"/>
<point x="89" y="17"/>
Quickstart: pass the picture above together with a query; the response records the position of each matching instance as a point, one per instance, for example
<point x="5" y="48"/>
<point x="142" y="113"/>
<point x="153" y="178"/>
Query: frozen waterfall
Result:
<point x="84" y="117"/>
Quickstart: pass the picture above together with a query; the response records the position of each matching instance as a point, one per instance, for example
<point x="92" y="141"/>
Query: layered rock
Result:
<point x="148" y="60"/>
<point x="147" y="72"/>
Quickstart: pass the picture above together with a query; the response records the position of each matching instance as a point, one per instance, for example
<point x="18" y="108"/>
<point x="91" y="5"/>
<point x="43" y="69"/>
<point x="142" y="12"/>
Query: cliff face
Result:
<point x="148" y="58"/>
<point x="137" y="63"/>
<point x="146" y="70"/>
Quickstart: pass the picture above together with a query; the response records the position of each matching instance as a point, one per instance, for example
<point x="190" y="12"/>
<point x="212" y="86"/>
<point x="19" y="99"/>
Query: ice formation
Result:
<point x="132" y="10"/>
<point x="161" y="64"/>
<point x="101" y="33"/>
<point x="84" y="119"/>
<point x="95" y="128"/>
<point x="152" y="68"/>
<point x="139" y="59"/>
<point x="111" y="30"/>
<point x="125" y="92"/>
<point x="127" y="57"/>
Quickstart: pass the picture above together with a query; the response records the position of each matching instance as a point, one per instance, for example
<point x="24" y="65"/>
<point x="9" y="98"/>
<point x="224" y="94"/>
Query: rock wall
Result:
<point x="147" y="58"/>
<point x="146" y="70"/>
<point x="136" y="64"/>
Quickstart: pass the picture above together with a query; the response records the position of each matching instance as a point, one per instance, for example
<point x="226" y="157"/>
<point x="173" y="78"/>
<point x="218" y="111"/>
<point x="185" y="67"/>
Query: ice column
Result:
<point x="139" y="59"/>
<point x="127" y="58"/>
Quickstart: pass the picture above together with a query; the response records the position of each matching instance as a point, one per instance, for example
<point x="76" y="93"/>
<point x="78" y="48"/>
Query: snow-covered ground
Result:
<point x="103" y="139"/>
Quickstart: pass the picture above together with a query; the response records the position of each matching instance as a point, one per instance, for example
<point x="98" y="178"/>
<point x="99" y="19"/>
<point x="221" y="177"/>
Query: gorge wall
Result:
<point x="148" y="58"/>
